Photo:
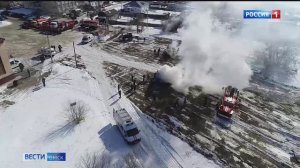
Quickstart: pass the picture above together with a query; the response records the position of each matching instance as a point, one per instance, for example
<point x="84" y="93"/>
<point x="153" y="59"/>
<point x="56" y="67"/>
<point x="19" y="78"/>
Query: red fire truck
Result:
<point x="58" y="25"/>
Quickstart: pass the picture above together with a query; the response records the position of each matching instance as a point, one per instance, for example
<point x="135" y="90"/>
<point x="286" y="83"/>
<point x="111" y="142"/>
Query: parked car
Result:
<point x="86" y="39"/>
<point x="126" y="126"/>
<point x="14" y="63"/>
<point x="45" y="17"/>
<point x="48" y="52"/>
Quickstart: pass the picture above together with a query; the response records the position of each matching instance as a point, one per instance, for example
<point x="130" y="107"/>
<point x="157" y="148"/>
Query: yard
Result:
<point x="25" y="43"/>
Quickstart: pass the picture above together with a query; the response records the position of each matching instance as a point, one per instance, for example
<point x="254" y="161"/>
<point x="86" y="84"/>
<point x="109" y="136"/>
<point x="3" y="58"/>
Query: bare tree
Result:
<point x="131" y="161"/>
<point x="95" y="160"/>
<point x="76" y="111"/>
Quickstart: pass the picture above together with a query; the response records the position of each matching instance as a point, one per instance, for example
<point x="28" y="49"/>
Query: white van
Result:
<point x="126" y="126"/>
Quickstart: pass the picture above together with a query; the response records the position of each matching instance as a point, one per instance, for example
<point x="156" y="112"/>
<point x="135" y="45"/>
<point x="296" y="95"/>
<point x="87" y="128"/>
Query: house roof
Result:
<point x="111" y="12"/>
<point x="108" y="13"/>
<point x="22" y="11"/>
<point x="137" y="4"/>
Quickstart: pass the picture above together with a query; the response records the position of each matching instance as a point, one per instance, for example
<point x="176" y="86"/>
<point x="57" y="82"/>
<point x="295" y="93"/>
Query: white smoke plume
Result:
<point x="216" y="43"/>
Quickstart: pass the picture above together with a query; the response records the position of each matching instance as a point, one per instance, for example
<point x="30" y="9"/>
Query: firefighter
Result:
<point x="132" y="78"/>
<point x="42" y="58"/>
<point x="154" y="97"/>
<point x="158" y="51"/>
<point x="21" y="66"/>
<point x="144" y="78"/>
<point x="59" y="48"/>
<point x="44" y="81"/>
<point x="134" y="81"/>
<point x="134" y="87"/>
<point x="131" y="87"/>
<point x="184" y="101"/>
<point x="120" y="95"/>
<point x="28" y="71"/>
<point x="176" y="102"/>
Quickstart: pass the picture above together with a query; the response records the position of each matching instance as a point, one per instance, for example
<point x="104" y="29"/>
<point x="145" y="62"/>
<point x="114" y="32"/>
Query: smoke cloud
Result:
<point x="217" y="43"/>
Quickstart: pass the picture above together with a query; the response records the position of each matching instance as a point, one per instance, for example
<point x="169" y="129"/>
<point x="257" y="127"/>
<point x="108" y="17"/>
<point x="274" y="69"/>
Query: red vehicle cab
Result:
<point x="89" y="23"/>
<point x="38" y="22"/>
<point x="59" y="25"/>
<point x="229" y="102"/>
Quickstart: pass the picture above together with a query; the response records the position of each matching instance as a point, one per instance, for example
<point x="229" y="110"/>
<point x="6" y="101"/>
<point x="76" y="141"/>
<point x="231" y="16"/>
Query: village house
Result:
<point x="5" y="68"/>
<point x="52" y="7"/>
<point x="135" y="7"/>
<point x="59" y="7"/>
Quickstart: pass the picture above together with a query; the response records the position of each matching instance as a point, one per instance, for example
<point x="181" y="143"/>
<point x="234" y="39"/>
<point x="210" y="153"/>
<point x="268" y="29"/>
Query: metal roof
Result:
<point x="124" y="116"/>
<point x="22" y="11"/>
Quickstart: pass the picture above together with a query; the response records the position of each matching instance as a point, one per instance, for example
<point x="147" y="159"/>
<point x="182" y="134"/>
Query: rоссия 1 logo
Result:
<point x="261" y="14"/>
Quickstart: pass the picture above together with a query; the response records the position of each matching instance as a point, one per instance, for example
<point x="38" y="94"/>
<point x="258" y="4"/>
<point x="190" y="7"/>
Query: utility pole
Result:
<point x="75" y="55"/>
<point x="49" y="48"/>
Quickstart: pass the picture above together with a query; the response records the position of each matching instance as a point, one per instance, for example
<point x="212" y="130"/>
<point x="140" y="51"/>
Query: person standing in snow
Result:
<point x="42" y="58"/>
<point x="143" y="78"/>
<point x="154" y="52"/>
<point x="120" y="95"/>
<point x="184" y="102"/>
<point x="21" y="66"/>
<point x="28" y="71"/>
<point x="59" y="48"/>
<point x="118" y="87"/>
<point x="44" y="81"/>
<point x="176" y="102"/>
<point x="134" y="81"/>
<point x="154" y="97"/>
<point x="158" y="51"/>
<point x="148" y="76"/>
<point x="134" y="87"/>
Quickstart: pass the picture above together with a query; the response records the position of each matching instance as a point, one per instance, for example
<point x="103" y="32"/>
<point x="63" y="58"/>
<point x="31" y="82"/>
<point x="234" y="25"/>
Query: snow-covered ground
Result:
<point x="153" y="21"/>
<point x="116" y="6"/>
<point x="37" y="124"/>
<point x="4" y="23"/>
<point x="124" y="19"/>
<point x="162" y="12"/>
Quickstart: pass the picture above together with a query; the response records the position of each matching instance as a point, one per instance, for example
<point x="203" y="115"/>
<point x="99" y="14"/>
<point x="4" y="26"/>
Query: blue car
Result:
<point x="29" y="18"/>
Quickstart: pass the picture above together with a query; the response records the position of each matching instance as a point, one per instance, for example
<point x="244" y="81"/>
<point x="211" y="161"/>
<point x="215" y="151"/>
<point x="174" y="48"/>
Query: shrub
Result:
<point x="76" y="111"/>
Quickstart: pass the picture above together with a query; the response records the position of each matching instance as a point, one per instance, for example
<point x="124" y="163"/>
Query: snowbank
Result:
<point x="38" y="124"/>
<point x="162" y="12"/>
<point x="124" y="19"/>
<point x="152" y="21"/>
<point x="5" y="23"/>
